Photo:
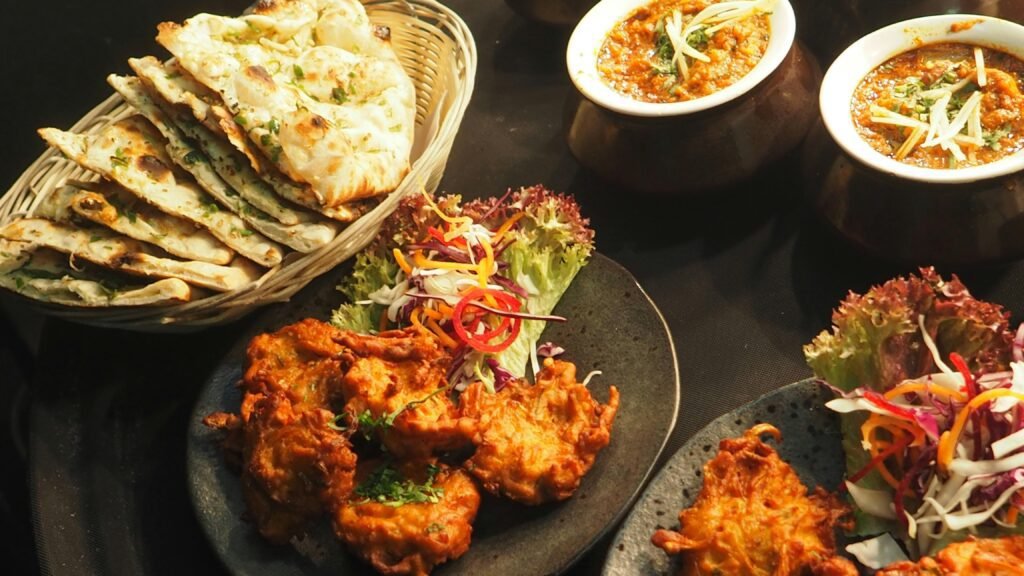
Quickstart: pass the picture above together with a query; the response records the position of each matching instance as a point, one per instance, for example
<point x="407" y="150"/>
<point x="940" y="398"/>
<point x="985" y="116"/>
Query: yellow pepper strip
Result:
<point x="917" y="387"/>
<point x="883" y="471"/>
<point x="426" y="263"/>
<point x="433" y="314"/>
<point x="445" y="339"/>
<point x="415" y="319"/>
<point x="893" y="426"/>
<point x="504" y="228"/>
<point x="950" y="438"/>
<point x="484" y="271"/>
<point x="461" y="222"/>
<point x="445" y="309"/>
<point x="401" y="262"/>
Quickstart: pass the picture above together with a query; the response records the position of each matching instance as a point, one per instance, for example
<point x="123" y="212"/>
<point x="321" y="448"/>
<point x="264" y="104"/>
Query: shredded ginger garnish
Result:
<point x="709" y="20"/>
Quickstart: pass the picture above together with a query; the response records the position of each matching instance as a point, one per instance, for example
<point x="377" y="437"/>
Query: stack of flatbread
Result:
<point x="262" y="137"/>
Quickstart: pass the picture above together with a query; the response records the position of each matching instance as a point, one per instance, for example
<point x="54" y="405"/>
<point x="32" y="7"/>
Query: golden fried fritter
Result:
<point x="753" y="517"/>
<point x="300" y="360"/>
<point x="410" y="538"/>
<point x="399" y="376"/>
<point x="535" y="443"/>
<point x="294" y="465"/>
<point x="973" y="557"/>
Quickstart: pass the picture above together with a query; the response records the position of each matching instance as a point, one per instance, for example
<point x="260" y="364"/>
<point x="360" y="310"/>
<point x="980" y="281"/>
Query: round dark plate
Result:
<point x="811" y="444"/>
<point x="613" y="327"/>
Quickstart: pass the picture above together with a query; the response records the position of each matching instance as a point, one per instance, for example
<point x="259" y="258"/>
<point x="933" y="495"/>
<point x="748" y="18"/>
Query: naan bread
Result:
<point x="221" y="138"/>
<point x="301" y="236"/>
<point x="317" y="88"/>
<point x="46" y="276"/>
<point x="131" y="153"/>
<point x="174" y="84"/>
<point x="107" y="204"/>
<point x="109" y="250"/>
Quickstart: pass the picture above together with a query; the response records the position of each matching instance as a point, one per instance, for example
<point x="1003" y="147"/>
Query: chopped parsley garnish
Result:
<point x="338" y="95"/>
<point x="297" y="72"/>
<point x="434" y="528"/>
<point x="698" y="39"/>
<point x="663" y="51"/>
<point x="386" y="486"/>
<point x="993" y="138"/>
<point x="273" y="126"/>
<point x="119" y="160"/>
<point x="209" y="209"/>
<point x="240" y="120"/>
<point x="367" y="423"/>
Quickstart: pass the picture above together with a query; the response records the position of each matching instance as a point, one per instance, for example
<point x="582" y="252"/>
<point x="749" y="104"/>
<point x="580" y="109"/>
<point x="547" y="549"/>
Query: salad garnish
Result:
<point x="481" y="277"/>
<point x="930" y="384"/>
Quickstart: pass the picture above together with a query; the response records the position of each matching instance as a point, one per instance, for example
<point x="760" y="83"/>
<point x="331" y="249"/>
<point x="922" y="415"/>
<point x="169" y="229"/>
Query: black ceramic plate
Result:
<point x="613" y="327"/>
<point x="811" y="444"/>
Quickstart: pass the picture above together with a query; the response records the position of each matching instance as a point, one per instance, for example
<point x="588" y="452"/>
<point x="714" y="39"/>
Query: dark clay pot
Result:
<point x="704" y="151"/>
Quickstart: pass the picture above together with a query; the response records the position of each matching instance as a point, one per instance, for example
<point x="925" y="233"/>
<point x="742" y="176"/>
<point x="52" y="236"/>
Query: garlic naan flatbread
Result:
<point x="46" y="276"/>
<point x="316" y="86"/>
<point x="244" y="168"/>
<point x="132" y="153"/>
<point x="107" y="204"/>
<point x="301" y="236"/>
<point x="110" y="250"/>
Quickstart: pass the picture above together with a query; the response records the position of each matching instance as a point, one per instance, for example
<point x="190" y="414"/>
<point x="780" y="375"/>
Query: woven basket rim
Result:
<point x="456" y="63"/>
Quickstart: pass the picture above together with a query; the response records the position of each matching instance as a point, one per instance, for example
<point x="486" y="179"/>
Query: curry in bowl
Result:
<point x="679" y="50"/>
<point x="944" y="105"/>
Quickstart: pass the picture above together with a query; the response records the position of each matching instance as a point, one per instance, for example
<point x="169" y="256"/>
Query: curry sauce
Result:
<point x="934" y="107"/>
<point x="639" y="58"/>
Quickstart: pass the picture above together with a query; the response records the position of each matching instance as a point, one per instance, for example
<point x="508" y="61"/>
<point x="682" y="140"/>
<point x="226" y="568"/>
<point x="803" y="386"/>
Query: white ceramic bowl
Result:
<point x="589" y="35"/>
<point x="876" y="48"/>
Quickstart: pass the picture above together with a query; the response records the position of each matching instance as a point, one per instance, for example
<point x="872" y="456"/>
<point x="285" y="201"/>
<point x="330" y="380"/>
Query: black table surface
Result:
<point x="744" y="279"/>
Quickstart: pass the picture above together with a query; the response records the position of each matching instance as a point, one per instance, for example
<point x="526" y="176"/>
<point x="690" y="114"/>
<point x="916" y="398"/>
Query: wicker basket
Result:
<point x="436" y="49"/>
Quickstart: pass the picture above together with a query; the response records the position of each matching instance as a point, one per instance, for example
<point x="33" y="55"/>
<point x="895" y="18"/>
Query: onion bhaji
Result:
<point x="293" y="463"/>
<point x="408" y="519"/>
<point x="972" y="557"/>
<point x="535" y="443"/>
<point x="294" y="466"/>
<point x="753" y="517"/>
<point x="398" y="378"/>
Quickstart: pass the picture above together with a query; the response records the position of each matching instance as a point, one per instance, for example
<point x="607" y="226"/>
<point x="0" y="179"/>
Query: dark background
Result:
<point x="744" y="278"/>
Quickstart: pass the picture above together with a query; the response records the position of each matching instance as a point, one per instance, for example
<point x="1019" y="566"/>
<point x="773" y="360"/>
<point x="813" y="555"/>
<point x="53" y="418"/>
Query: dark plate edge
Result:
<point x="641" y="487"/>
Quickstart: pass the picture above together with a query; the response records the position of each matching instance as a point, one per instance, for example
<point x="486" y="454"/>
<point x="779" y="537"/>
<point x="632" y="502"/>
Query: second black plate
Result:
<point x="811" y="444"/>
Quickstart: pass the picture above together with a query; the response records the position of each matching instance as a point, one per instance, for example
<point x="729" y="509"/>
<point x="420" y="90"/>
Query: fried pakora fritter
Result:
<point x="398" y="378"/>
<point x="972" y="557"/>
<point x="301" y="360"/>
<point x="753" y="517"/>
<point x="410" y="518"/>
<point x="295" y="464"/>
<point x="535" y="443"/>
